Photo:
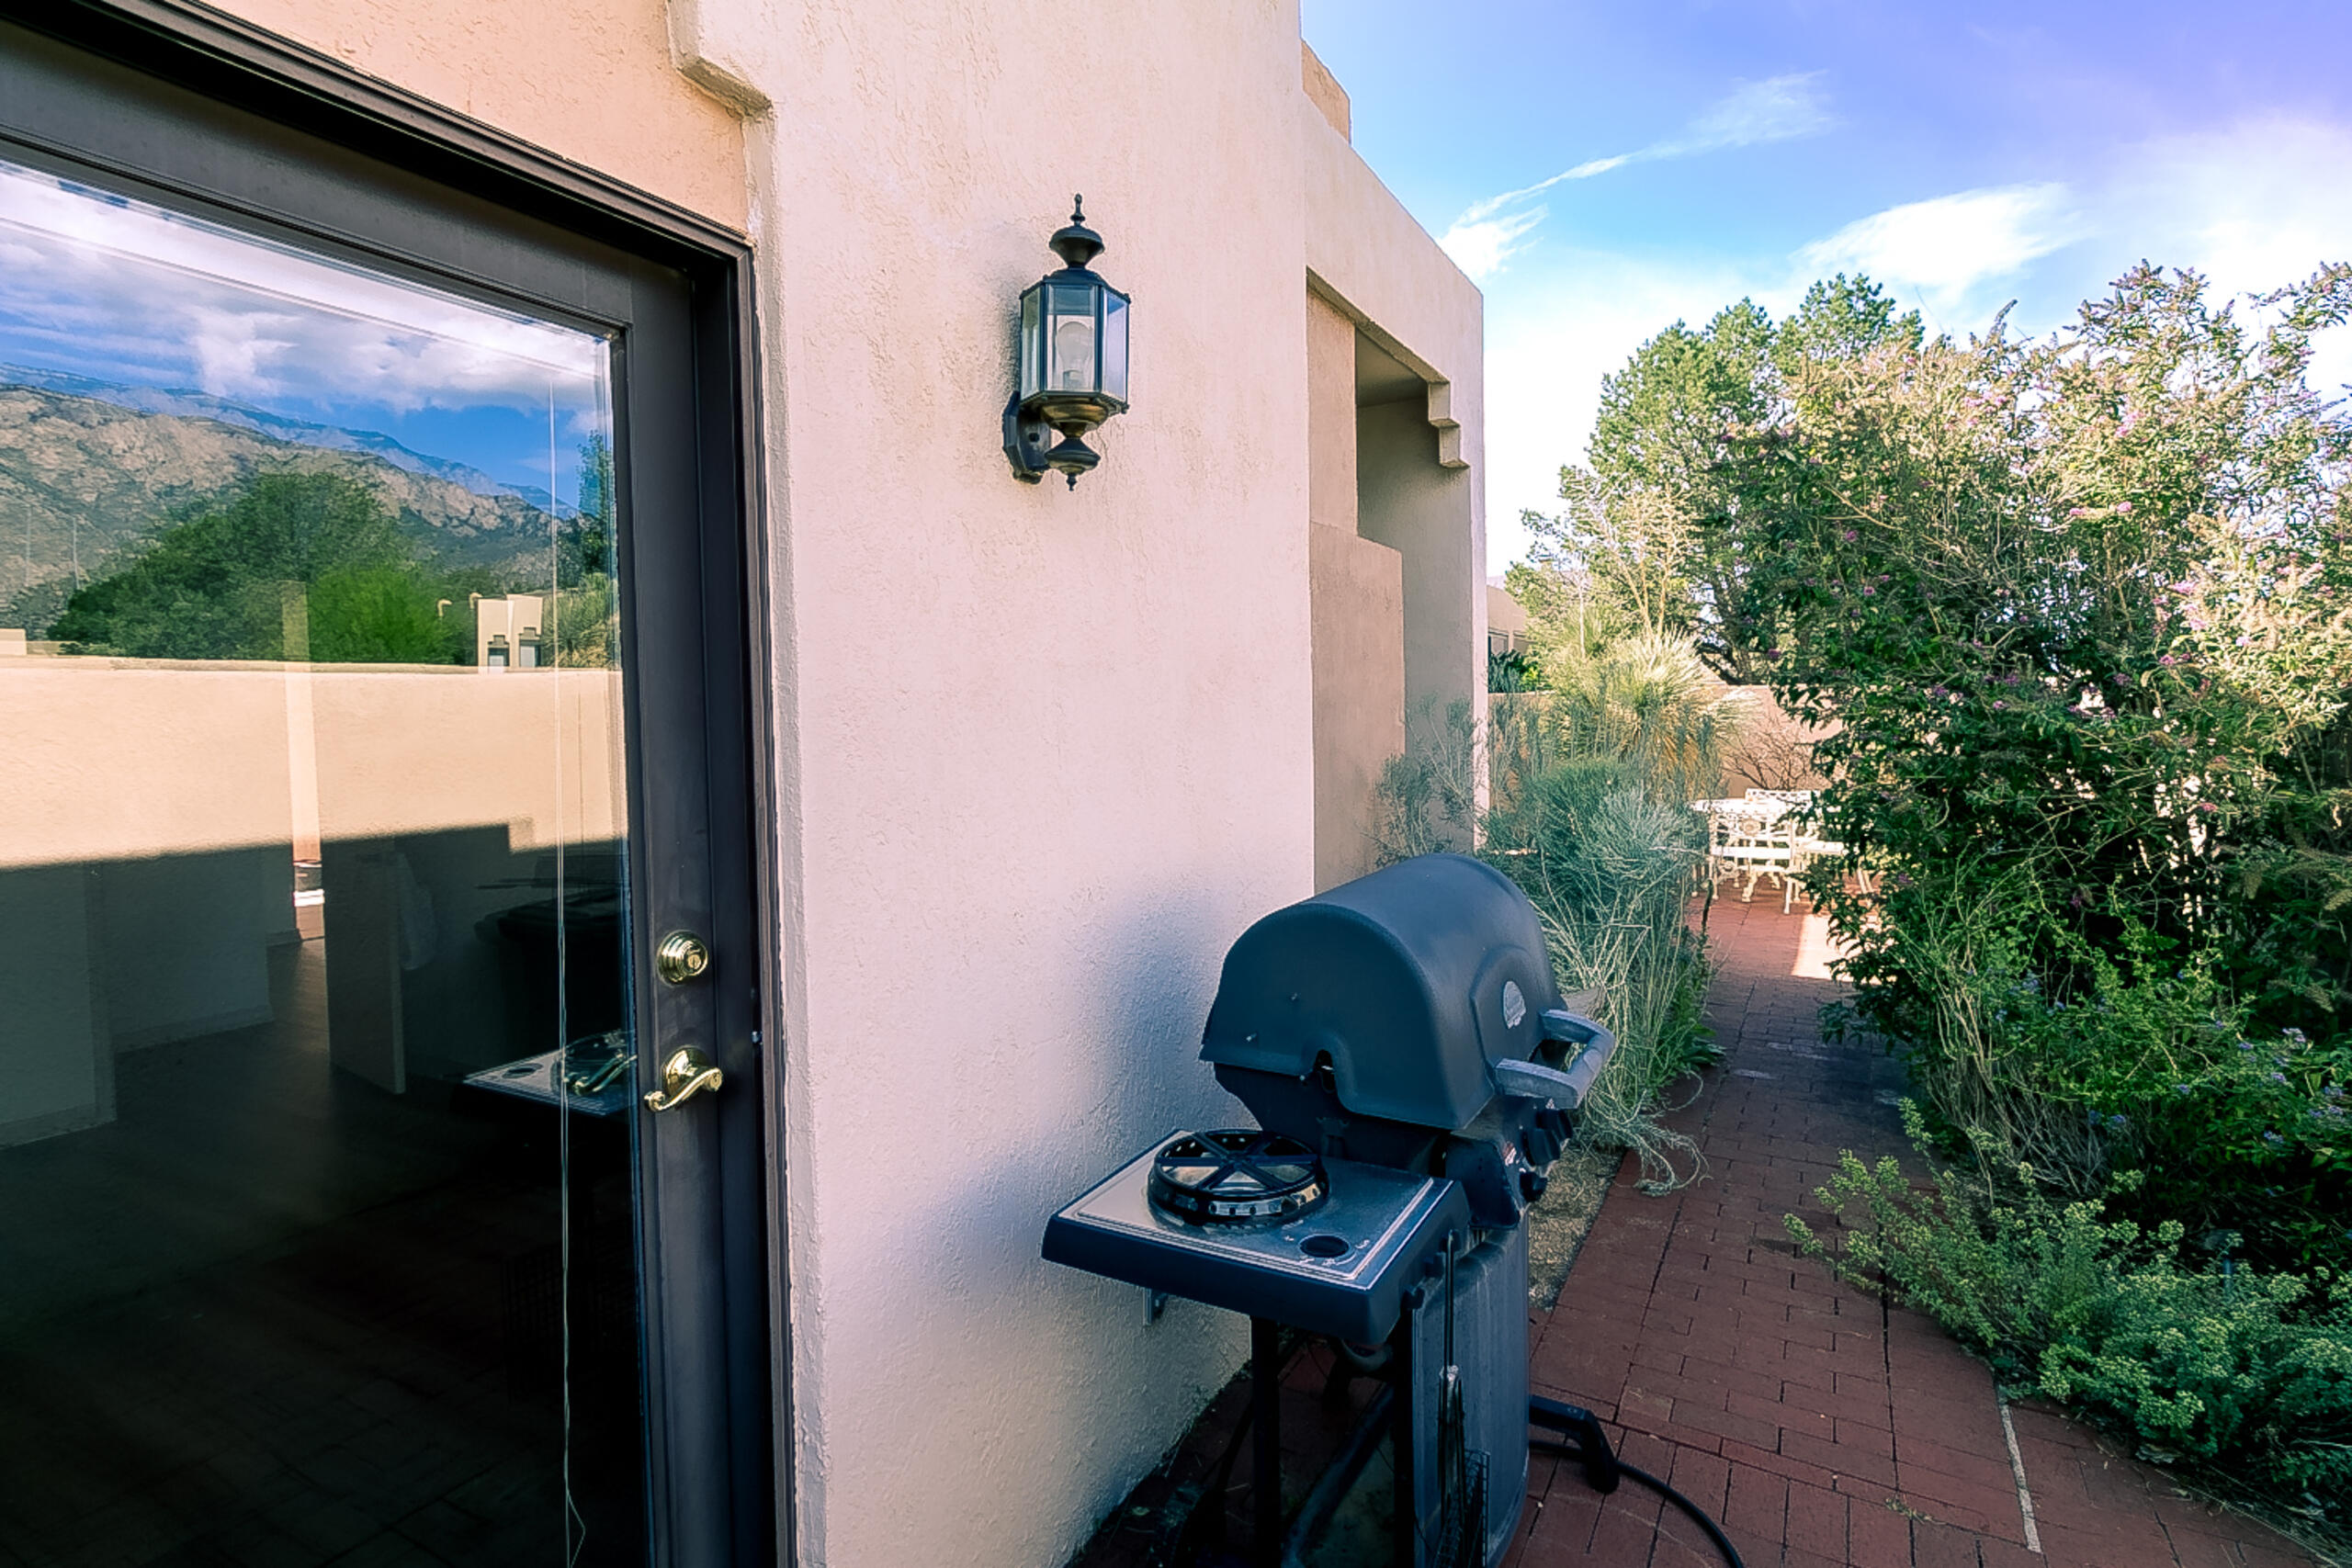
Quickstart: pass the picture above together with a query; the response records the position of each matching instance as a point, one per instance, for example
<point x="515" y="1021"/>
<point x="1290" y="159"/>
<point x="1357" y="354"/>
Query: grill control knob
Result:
<point x="1532" y="1184"/>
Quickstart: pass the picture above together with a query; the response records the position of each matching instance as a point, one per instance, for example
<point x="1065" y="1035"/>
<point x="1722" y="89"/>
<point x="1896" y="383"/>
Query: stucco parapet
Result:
<point x="702" y="56"/>
<point x="1323" y="89"/>
<point x="1367" y="255"/>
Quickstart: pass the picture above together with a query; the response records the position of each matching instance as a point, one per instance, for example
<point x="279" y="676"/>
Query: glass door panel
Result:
<point x="319" y="1229"/>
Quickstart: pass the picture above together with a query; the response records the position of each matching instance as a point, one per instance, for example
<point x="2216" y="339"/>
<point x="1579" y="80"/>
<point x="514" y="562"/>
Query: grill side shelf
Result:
<point x="1340" y="1269"/>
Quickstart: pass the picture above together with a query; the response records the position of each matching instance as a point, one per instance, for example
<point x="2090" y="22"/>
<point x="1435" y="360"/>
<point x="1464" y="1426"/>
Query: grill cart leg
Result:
<point x="1266" y="1443"/>
<point x="1406" y="1522"/>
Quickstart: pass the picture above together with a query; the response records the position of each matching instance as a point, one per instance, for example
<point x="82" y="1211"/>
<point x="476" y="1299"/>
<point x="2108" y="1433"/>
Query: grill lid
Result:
<point x="1408" y="982"/>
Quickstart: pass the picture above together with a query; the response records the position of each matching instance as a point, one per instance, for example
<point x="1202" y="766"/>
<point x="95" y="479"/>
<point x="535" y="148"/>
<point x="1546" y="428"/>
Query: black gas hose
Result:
<point x="1583" y="1438"/>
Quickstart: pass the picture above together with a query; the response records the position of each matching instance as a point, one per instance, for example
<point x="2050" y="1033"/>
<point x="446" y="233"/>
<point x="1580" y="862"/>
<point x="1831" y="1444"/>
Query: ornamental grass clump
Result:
<point x="1586" y="784"/>
<point x="1611" y="868"/>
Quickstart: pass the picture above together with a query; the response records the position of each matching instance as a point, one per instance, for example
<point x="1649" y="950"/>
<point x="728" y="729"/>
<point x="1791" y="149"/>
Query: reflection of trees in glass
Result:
<point x="225" y="580"/>
<point x="585" y="615"/>
<point x="316" y="566"/>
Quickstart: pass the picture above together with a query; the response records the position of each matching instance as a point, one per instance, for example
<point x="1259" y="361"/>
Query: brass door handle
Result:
<point x="686" y="1074"/>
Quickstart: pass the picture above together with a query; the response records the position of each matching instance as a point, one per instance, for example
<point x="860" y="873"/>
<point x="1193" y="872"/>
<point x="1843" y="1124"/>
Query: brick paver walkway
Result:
<point x="1820" y="1427"/>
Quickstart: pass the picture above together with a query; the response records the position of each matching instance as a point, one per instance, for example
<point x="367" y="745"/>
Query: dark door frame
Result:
<point x="207" y="111"/>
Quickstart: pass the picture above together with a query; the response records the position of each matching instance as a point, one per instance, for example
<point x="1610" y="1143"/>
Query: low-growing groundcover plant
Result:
<point x="2242" y="1374"/>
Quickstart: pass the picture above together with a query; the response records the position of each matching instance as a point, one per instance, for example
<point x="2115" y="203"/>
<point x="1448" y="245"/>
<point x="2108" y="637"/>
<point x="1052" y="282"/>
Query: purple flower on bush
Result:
<point x="2167" y="661"/>
<point x="2208" y="808"/>
<point x="1867" y="589"/>
<point x="2267" y="1137"/>
<point x="1849" y="536"/>
<point x="2275" y="1077"/>
<point x="2180" y="1089"/>
<point x="1998" y="706"/>
<point x="2245" y="1045"/>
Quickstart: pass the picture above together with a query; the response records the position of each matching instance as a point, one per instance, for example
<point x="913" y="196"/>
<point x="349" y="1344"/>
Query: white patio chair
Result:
<point x="1751" y="844"/>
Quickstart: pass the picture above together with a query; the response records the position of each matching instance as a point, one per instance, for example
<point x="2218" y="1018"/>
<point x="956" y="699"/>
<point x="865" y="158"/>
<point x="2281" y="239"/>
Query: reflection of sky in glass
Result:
<point x="95" y="285"/>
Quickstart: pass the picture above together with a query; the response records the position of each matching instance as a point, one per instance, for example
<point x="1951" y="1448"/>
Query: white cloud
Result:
<point x="1480" y="247"/>
<point x="1942" y="251"/>
<point x="1775" y="109"/>
<point x="2253" y="207"/>
<point x="120" y="290"/>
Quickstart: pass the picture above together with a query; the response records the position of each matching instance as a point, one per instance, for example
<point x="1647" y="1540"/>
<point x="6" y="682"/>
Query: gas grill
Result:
<point x="1414" y="1073"/>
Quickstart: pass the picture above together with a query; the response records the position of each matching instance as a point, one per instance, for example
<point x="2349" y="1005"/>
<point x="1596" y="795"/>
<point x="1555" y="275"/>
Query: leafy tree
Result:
<point x="587" y="536"/>
<point x="316" y="554"/>
<point x="1658" y="533"/>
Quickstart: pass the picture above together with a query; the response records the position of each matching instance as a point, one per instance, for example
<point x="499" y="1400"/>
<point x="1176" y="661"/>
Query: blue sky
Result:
<point x="1604" y="170"/>
<point x="98" y="285"/>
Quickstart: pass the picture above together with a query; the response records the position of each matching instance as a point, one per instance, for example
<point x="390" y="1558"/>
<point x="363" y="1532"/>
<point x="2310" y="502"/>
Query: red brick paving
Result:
<point x="1820" y="1427"/>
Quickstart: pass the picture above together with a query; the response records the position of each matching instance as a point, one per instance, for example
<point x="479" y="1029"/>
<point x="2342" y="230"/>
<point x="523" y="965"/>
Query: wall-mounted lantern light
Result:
<point x="1073" y="360"/>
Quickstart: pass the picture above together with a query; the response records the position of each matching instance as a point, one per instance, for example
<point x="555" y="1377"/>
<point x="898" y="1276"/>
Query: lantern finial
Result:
<point x="1076" y="244"/>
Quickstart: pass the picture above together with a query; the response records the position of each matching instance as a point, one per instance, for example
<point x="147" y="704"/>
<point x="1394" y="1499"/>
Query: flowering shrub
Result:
<point x="2080" y="615"/>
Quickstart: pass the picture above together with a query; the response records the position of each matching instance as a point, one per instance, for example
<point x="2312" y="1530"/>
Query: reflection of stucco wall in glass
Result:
<point x="118" y="759"/>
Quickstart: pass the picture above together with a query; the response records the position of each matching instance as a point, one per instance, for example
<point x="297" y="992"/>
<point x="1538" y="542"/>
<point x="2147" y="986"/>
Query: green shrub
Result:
<point x="2243" y="1372"/>
<point x="2143" y="1060"/>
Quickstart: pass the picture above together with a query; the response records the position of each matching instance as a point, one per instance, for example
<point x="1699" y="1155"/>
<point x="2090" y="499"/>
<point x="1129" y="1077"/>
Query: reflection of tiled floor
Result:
<point x="1821" y="1428"/>
<point x="292" y="1320"/>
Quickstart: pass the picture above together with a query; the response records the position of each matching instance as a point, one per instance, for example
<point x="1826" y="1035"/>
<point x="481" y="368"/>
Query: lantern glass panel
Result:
<point x="1115" y="345"/>
<point x="1032" y="357"/>
<point x="1070" y="338"/>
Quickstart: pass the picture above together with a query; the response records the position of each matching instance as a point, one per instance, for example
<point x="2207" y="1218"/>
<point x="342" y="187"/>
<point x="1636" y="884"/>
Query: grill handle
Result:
<point x="1563" y="1087"/>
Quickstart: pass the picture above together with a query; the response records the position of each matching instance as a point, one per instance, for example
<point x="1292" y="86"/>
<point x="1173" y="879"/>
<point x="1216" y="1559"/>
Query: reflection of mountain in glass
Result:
<point x="87" y="486"/>
<point x="315" y="566"/>
<point x="279" y="426"/>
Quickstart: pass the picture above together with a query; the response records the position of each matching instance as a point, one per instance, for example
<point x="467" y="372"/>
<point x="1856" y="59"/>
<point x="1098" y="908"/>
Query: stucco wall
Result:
<point x="592" y="80"/>
<point x="1359" y="693"/>
<point x="1359" y="608"/>
<point x="1019" y="831"/>
<point x="1409" y="501"/>
<point x="1331" y="415"/>
<point x="1418" y="463"/>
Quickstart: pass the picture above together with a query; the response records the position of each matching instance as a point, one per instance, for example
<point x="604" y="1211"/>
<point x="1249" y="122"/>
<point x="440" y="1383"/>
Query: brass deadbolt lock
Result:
<point x="683" y="956"/>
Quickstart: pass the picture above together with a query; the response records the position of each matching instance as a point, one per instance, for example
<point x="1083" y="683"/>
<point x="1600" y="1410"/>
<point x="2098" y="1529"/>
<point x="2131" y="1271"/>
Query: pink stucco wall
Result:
<point x="590" y="79"/>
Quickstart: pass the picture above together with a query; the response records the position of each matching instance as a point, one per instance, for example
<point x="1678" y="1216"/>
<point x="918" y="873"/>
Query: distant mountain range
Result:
<point x="88" y="469"/>
<point x="278" y="427"/>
